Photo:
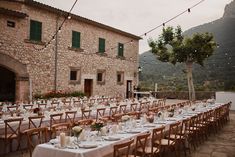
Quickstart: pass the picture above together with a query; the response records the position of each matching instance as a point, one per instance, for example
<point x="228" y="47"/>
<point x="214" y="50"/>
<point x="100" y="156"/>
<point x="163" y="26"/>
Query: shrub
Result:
<point x="59" y="94"/>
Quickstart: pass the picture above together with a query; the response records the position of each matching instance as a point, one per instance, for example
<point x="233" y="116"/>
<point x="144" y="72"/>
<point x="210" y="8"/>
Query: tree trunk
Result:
<point x="191" y="90"/>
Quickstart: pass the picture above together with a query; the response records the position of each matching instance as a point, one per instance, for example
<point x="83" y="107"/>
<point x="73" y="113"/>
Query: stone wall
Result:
<point x="41" y="64"/>
<point x="200" y="95"/>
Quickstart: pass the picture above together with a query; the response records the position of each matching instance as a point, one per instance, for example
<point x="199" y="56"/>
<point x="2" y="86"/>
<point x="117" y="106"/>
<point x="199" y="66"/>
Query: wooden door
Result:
<point x="88" y="87"/>
<point x="128" y="89"/>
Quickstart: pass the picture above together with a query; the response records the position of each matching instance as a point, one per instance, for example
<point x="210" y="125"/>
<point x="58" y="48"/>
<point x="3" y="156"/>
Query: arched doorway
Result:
<point x="14" y="74"/>
<point x="7" y="85"/>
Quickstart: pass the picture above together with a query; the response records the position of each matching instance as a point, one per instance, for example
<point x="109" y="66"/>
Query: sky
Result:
<point x="139" y="16"/>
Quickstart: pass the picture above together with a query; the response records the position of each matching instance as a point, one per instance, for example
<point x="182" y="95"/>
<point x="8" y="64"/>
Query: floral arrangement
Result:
<point x="172" y="109"/>
<point x="77" y="130"/>
<point x="59" y="94"/>
<point x="125" y="118"/>
<point x="97" y="125"/>
<point x="159" y="114"/>
<point x="150" y="118"/>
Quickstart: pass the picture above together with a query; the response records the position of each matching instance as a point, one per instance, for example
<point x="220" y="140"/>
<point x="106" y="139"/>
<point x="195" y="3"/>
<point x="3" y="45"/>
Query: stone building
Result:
<point x="84" y="56"/>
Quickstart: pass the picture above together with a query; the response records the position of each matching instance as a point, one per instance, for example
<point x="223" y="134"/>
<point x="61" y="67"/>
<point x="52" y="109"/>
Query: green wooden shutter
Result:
<point x="101" y="45"/>
<point x="75" y="39"/>
<point x="35" y="30"/>
<point x="120" y="49"/>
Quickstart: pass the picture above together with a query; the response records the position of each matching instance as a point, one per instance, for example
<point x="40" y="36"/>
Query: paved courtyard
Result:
<point x="221" y="144"/>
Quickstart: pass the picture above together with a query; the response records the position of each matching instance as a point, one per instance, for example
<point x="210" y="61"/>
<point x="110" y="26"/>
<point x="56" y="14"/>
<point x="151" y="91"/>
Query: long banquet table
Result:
<point x="105" y="148"/>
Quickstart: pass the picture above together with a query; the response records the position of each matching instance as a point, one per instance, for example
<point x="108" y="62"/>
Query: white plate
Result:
<point x="88" y="146"/>
<point x="133" y="131"/>
<point x="111" y="138"/>
<point x="54" y="141"/>
<point x="149" y="125"/>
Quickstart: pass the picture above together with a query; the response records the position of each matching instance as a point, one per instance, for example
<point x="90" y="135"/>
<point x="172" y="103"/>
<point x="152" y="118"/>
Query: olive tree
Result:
<point x="172" y="46"/>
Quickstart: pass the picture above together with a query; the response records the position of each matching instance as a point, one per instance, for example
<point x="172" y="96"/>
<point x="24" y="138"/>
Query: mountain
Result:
<point x="218" y="72"/>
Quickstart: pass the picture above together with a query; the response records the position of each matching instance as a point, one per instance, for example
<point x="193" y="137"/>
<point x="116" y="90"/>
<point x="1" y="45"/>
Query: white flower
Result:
<point x="125" y="118"/>
<point x="77" y="129"/>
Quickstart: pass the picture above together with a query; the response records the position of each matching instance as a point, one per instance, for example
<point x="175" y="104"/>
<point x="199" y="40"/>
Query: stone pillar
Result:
<point x="22" y="88"/>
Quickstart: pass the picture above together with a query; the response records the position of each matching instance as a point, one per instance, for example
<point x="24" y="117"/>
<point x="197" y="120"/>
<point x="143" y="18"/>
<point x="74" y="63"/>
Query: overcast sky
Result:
<point x="139" y="16"/>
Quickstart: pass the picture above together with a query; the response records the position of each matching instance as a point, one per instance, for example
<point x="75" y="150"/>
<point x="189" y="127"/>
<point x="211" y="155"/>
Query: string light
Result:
<point x="60" y="27"/>
<point x="131" y="41"/>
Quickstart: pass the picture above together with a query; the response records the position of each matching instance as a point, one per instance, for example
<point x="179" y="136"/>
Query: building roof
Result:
<point x="79" y="18"/>
<point x="12" y="13"/>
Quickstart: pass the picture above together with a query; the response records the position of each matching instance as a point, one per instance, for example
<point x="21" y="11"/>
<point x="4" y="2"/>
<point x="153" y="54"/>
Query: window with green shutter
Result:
<point x="120" y="49"/>
<point x="35" y="30"/>
<point x="101" y="45"/>
<point x="75" y="39"/>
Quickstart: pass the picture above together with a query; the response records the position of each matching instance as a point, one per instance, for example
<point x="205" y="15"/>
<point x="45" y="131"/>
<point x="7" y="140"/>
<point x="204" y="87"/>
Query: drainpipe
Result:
<point x="56" y="54"/>
<point x="30" y="90"/>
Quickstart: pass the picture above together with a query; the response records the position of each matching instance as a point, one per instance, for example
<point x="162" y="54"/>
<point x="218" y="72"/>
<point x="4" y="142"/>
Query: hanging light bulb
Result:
<point x="59" y="30"/>
<point x="69" y="17"/>
<point x="189" y="10"/>
<point x="163" y="24"/>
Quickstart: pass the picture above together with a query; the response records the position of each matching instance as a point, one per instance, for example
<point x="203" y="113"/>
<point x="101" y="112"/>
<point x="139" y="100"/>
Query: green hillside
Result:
<point x="218" y="72"/>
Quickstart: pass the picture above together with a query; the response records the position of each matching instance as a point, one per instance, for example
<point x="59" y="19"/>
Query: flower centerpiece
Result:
<point x="159" y="114"/>
<point x="97" y="125"/>
<point x="171" y="112"/>
<point x="150" y="118"/>
<point x="77" y="130"/>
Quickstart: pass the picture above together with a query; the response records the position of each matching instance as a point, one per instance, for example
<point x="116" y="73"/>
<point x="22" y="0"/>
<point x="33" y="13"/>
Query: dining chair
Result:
<point x="70" y="117"/>
<point x="133" y="107"/>
<point x="84" y="122"/>
<point x="123" y="149"/>
<point x="141" y="148"/>
<point x="170" y="143"/>
<point x="35" y="136"/>
<point x="12" y="132"/>
<point x="122" y="109"/>
<point x="113" y="110"/>
<point x="60" y="127"/>
<point x="100" y="112"/>
<point x="12" y="108"/>
<point x="35" y="121"/>
<point x="28" y="106"/>
<point x="54" y="119"/>
<point x="86" y="114"/>
<point x="117" y="118"/>
<point x="42" y="106"/>
<point x="154" y="149"/>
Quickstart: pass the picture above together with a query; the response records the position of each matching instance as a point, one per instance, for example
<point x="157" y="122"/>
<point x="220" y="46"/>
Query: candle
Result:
<point x="62" y="139"/>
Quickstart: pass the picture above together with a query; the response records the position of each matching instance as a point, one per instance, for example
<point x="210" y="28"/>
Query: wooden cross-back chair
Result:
<point x="12" y="132"/>
<point x="83" y="122"/>
<point x="35" y="121"/>
<point x="113" y="110"/>
<point x="100" y="112"/>
<point x="122" y="149"/>
<point x="70" y="116"/>
<point x="12" y="108"/>
<point x="161" y="103"/>
<point x="92" y="100"/>
<point x="42" y="106"/>
<point x="54" y="104"/>
<point x="134" y="107"/>
<point x="41" y="137"/>
<point x="60" y="127"/>
<point x="170" y="142"/>
<point x="28" y="106"/>
<point x="55" y="119"/>
<point x="86" y="114"/>
<point x="141" y="143"/>
<point x="122" y="109"/>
